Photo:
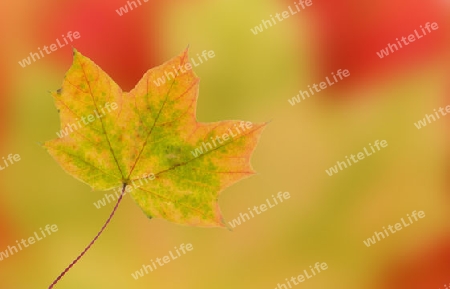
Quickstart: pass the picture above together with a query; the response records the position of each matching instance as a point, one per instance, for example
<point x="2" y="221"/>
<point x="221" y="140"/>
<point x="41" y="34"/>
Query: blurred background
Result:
<point x="251" y="78"/>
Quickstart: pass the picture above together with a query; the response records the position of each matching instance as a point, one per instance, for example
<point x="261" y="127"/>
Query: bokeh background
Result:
<point x="251" y="78"/>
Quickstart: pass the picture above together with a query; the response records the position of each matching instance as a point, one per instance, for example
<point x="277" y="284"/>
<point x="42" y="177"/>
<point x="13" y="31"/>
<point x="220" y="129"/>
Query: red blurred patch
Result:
<point x="427" y="269"/>
<point x="350" y="32"/>
<point x="124" y="46"/>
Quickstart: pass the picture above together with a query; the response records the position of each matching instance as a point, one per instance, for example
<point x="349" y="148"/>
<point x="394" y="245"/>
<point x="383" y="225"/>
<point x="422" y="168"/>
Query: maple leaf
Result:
<point x="149" y="143"/>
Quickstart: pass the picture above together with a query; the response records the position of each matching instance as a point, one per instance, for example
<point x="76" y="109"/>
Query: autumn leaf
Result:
<point x="148" y="141"/>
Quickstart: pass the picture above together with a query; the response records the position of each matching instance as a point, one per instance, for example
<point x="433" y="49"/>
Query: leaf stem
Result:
<point x="92" y="242"/>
